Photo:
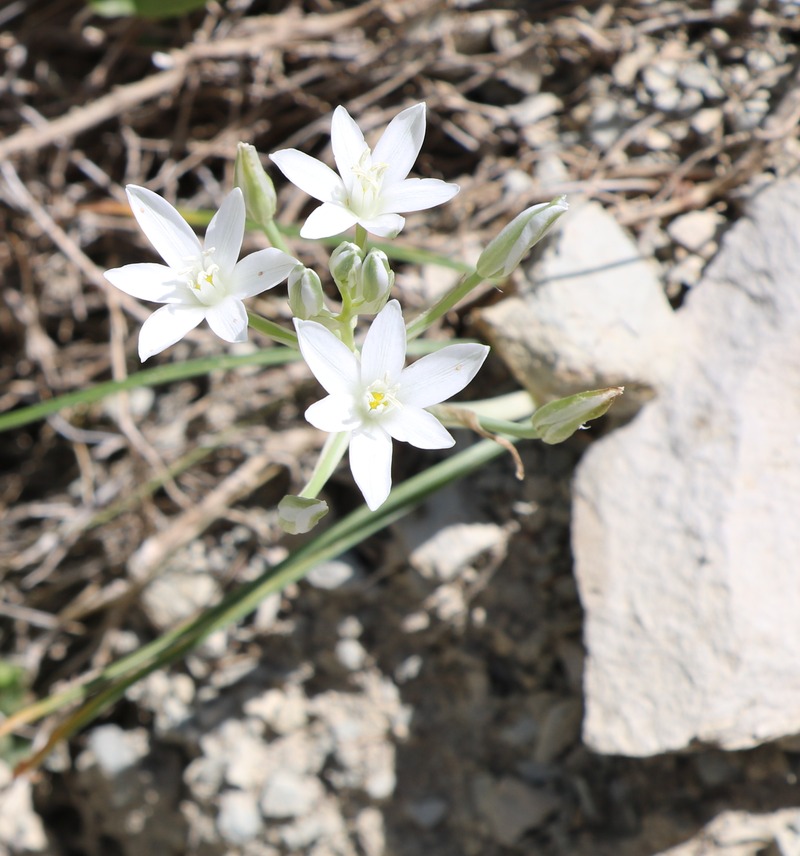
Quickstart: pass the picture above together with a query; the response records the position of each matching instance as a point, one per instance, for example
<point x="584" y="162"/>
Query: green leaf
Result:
<point x="145" y="8"/>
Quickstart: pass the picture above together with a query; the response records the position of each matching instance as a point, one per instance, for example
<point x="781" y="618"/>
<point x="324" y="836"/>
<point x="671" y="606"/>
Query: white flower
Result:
<point x="196" y="282"/>
<point x="376" y="399"/>
<point x="373" y="189"/>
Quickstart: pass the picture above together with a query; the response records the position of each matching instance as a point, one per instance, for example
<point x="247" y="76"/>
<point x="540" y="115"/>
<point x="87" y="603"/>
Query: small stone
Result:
<point x="707" y="120"/>
<point x="115" y="749"/>
<point x="289" y="794"/>
<point x="510" y="807"/>
<point x="351" y="654"/>
<point x="335" y="573"/>
<point x="283" y="710"/>
<point x="239" y="819"/>
<point x="21" y="829"/>
<point x="695" y="229"/>
<point x="427" y="813"/>
<point x="660" y="76"/>
<point x="559" y="731"/>
<point x="697" y="75"/>
<point x="445" y="555"/>
<point x="535" y="108"/>
<point x="370" y="831"/>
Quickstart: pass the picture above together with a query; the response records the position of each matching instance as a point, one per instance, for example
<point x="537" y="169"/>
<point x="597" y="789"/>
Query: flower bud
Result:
<point x="345" y="265"/>
<point x="299" y="514"/>
<point x="375" y="282"/>
<point x="506" y="251"/>
<point x="256" y="186"/>
<point x="306" y="299"/>
<point x="560" y="419"/>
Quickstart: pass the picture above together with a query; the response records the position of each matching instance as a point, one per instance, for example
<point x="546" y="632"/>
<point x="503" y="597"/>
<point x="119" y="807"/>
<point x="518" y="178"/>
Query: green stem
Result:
<point x="271" y="329"/>
<point x="361" y="237"/>
<point x="332" y="452"/>
<point x="421" y="323"/>
<point x="275" y="237"/>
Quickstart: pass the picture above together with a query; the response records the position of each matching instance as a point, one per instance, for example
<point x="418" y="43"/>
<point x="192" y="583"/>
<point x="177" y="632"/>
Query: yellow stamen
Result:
<point x="376" y="399"/>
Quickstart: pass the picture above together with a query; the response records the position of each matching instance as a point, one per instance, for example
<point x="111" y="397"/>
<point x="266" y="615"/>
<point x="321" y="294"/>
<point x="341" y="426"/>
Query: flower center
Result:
<point x="365" y="191"/>
<point x="379" y="398"/>
<point x="205" y="282"/>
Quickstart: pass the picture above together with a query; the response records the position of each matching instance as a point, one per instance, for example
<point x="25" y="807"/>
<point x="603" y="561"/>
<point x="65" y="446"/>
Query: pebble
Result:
<point x="707" y="120"/>
<point x="114" y="749"/>
<point x="696" y="229"/>
<point x="290" y="794"/>
<point x="510" y="807"/>
<point x="427" y="813"/>
<point x="239" y="819"/>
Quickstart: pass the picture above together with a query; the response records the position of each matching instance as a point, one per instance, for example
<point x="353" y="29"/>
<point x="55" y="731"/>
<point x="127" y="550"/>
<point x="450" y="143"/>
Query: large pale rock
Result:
<point x="592" y="313"/>
<point x="685" y="529"/>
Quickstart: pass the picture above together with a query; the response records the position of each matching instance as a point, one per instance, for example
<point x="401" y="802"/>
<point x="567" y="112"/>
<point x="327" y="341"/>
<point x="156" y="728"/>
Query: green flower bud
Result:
<point x="345" y="265"/>
<point x="506" y="251"/>
<point x="560" y="419"/>
<point x="299" y="514"/>
<point x="256" y="186"/>
<point x="375" y="282"/>
<point x="306" y="299"/>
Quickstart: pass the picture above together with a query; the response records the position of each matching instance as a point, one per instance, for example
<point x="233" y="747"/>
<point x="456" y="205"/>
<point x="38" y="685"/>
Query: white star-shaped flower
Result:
<point x="197" y="282"/>
<point x="376" y="399"/>
<point x="371" y="188"/>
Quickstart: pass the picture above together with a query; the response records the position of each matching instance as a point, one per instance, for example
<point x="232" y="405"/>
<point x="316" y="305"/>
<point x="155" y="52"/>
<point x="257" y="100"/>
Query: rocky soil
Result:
<point x="598" y="660"/>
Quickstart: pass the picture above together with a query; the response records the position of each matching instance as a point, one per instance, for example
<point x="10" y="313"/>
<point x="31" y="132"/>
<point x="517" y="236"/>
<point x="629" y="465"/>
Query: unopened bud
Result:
<point x="306" y="299"/>
<point x="259" y="192"/>
<point x="299" y="514"/>
<point x="560" y="419"/>
<point x="375" y="282"/>
<point x="506" y="251"/>
<point x="345" y="265"/>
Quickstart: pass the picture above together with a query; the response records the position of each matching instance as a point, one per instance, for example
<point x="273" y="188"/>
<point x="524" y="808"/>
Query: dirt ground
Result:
<point x="464" y="693"/>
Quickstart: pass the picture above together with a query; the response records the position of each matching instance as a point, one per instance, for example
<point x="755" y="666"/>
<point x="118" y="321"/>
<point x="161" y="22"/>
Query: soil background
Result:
<point x="418" y="708"/>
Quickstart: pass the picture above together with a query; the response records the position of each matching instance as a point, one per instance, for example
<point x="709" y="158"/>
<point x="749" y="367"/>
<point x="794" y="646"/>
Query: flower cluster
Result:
<point x="373" y="397"/>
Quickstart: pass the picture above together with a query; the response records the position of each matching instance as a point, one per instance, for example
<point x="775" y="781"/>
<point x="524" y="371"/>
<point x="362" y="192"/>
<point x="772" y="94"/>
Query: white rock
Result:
<point x="684" y="529"/>
<point x="445" y="555"/>
<point x="737" y="833"/>
<point x="21" y="829"/>
<point x="289" y="794"/>
<point x="695" y="229"/>
<point x="239" y="819"/>
<point x="594" y="315"/>
<point x="114" y="749"/>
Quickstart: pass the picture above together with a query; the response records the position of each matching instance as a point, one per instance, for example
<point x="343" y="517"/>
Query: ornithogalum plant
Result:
<point x="373" y="396"/>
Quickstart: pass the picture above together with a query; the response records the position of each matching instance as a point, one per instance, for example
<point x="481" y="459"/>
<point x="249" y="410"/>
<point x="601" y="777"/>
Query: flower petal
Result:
<point x="226" y="230"/>
<point x="166" y="326"/>
<point x="417" y="194"/>
<point x="333" y="414"/>
<point x="385" y="226"/>
<point x="333" y="364"/>
<point x="170" y="235"/>
<point x="149" y="281"/>
<point x="384" y="352"/>
<point x="329" y="219"/>
<point x="371" y="464"/>
<point x="437" y="377"/>
<point x="348" y="144"/>
<point x="309" y="174"/>
<point x="260" y="271"/>
<point x="418" y="427"/>
<point x="400" y="144"/>
<point x="228" y="319"/>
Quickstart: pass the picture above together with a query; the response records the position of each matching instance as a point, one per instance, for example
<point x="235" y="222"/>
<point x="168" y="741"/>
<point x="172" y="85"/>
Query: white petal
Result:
<point x="384" y="352"/>
<point x="166" y="230"/>
<point x="226" y="230"/>
<point x="149" y="282"/>
<point x="334" y="365"/>
<point x="228" y="319"/>
<point x="309" y="174"/>
<point x="333" y="414"/>
<point x="371" y="464"/>
<point x="348" y="144"/>
<point x="437" y="377"/>
<point x="259" y="271"/>
<point x="417" y="194"/>
<point x="166" y="326"/>
<point x="385" y="226"/>
<point x="400" y="144"/>
<point x="418" y="427"/>
<point x="329" y="219"/>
